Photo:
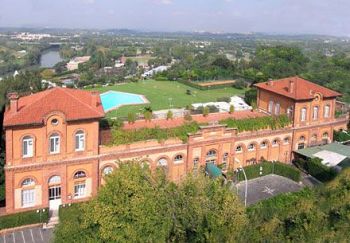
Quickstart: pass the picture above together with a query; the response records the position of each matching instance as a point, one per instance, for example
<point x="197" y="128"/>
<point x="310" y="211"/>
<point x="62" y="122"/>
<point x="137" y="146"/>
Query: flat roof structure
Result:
<point x="332" y="154"/>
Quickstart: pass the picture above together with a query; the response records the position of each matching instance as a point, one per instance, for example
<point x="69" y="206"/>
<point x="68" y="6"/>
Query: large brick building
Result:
<point x="53" y="153"/>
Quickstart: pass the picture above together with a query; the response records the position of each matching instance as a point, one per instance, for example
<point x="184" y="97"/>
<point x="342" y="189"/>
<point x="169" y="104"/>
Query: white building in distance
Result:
<point x="74" y="63"/>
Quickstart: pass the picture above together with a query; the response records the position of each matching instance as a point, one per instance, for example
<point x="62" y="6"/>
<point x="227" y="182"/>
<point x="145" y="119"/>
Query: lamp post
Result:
<point x="246" y="186"/>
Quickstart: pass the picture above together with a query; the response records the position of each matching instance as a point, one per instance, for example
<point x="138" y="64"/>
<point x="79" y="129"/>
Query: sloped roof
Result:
<point x="303" y="89"/>
<point x="75" y="104"/>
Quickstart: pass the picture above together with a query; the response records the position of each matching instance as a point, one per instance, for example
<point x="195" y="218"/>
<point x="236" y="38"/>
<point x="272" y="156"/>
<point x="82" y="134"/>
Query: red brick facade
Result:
<point x="31" y="181"/>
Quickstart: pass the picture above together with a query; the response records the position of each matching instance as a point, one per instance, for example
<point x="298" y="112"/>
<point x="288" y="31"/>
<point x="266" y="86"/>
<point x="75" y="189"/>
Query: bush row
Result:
<point x="121" y="136"/>
<point x="278" y="168"/>
<point x="315" y="168"/>
<point x="197" y="86"/>
<point x="24" y="218"/>
<point x="254" y="124"/>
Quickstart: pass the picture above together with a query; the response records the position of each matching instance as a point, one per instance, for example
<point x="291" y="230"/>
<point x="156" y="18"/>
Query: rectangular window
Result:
<point x="28" y="198"/>
<point x="54" y="145"/>
<point x="27" y="148"/>
<point x="315" y="113"/>
<point x="270" y="106"/>
<point x="303" y="114"/>
<point x="79" y="190"/>
<point x="326" y="111"/>
<point x="79" y="142"/>
<point x="277" y="109"/>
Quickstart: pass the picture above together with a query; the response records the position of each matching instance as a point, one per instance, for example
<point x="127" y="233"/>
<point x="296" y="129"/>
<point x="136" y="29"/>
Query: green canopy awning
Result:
<point x="212" y="170"/>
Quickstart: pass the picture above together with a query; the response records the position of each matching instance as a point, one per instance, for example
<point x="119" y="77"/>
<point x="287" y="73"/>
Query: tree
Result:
<point x="205" y="111"/>
<point x="47" y="74"/>
<point x="169" y="115"/>
<point x="148" y="115"/>
<point x="131" y="118"/>
<point x="232" y="109"/>
<point x="136" y="205"/>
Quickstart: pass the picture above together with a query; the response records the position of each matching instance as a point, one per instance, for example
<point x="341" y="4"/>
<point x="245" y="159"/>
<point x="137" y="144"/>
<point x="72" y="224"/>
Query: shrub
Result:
<point x="131" y="118"/>
<point x="24" y="218"/>
<point x="188" y="117"/>
<point x="232" y="109"/>
<point x="341" y="136"/>
<point x="148" y="115"/>
<point x="169" y="115"/>
<point x="224" y="99"/>
<point x="188" y="92"/>
<point x="239" y="84"/>
<point x="254" y="124"/>
<point x="206" y="111"/>
<point x="315" y="168"/>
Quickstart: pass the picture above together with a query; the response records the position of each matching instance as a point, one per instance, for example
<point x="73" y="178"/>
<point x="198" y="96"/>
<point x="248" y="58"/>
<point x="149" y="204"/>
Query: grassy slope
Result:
<point x="159" y="92"/>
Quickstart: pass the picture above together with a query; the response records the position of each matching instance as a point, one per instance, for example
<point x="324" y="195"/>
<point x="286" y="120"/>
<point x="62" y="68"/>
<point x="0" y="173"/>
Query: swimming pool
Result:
<point x="113" y="99"/>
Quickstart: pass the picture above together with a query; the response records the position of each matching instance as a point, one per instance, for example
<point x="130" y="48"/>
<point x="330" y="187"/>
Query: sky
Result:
<point x="234" y="16"/>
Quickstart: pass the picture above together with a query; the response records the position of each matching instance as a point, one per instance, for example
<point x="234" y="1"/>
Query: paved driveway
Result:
<point x="266" y="187"/>
<point x="33" y="235"/>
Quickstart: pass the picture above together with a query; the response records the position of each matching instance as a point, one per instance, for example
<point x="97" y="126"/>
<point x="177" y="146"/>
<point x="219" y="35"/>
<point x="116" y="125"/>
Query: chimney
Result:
<point x="94" y="98"/>
<point x="13" y="97"/>
<point x="270" y="82"/>
<point x="291" y="86"/>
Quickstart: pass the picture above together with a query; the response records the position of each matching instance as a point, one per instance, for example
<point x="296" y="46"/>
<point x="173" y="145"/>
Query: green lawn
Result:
<point x="162" y="94"/>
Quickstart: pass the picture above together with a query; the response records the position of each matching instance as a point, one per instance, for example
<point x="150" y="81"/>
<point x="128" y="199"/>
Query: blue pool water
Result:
<point x="113" y="99"/>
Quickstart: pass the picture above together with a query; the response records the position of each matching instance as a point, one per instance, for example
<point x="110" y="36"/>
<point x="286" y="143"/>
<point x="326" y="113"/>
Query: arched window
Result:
<point x="107" y="170"/>
<point x="302" y="139"/>
<point x="28" y="194"/>
<point x="277" y="109"/>
<point x="162" y="162"/>
<point x="55" y="179"/>
<point x="315" y="113"/>
<point x="270" y="106"/>
<point x="54" y="143"/>
<point x="80" y="185"/>
<point x="301" y="144"/>
<point x="303" y="114"/>
<point x="211" y="153"/>
<point x="27" y="147"/>
<point x="251" y="147"/>
<point x="286" y="140"/>
<point x="178" y="158"/>
<point x="79" y="140"/>
<point x="239" y="149"/>
<point x="79" y="174"/>
<point x="325" y="135"/>
<point x="28" y="182"/>
<point x="263" y="145"/>
<point x="274" y="142"/>
<point x="326" y="111"/>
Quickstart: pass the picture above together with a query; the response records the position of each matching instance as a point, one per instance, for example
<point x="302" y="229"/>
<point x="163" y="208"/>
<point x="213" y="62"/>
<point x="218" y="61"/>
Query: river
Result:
<point x="50" y="57"/>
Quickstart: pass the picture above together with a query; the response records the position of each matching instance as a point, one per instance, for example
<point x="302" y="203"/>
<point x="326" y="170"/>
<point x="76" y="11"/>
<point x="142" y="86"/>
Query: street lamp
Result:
<point x="246" y="186"/>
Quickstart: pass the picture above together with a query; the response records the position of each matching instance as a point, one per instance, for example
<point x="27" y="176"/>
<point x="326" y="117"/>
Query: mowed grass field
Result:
<point x="165" y="95"/>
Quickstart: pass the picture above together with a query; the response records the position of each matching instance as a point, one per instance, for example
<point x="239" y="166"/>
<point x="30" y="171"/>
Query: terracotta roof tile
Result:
<point x="302" y="90"/>
<point x="73" y="103"/>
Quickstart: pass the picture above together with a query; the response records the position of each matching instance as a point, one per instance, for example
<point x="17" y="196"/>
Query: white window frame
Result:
<point x="28" y="198"/>
<point x="327" y="110"/>
<point x="27" y="147"/>
<point x="107" y="170"/>
<point x="178" y="159"/>
<point x="315" y="113"/>
<point x="277" y="109"/>
<point x="263" y="145"/>
<point x="55" y="140"/>
<point x="270" y="107"/>
<point x="303" y="114"/>
<point x="80" y="141"/>
<point x="286" y="140"/>
<point x="79" y="189"/>
<point x="274" y="143"/>
<point x="239" y="149"/>
<point x="251" y="147"/>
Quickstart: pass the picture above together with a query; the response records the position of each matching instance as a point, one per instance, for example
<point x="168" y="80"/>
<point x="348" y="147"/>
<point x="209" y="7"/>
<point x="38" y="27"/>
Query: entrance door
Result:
<point x="55" y="197"/>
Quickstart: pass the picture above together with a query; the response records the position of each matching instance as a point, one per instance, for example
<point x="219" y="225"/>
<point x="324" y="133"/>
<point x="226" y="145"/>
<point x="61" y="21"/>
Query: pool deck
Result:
<point x="144" y="99"/>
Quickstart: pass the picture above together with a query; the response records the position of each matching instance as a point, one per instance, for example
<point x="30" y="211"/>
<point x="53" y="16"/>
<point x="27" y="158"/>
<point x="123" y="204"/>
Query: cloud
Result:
<point x="164" y="2"/>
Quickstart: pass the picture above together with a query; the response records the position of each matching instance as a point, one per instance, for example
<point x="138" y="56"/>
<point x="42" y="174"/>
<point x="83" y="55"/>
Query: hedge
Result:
<point x="24" y="218"/>
<point x="315" y="168"/>
<point x="255" y="124"/>
<point x="197" y="86"/>
<point x="278" y="168"/>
